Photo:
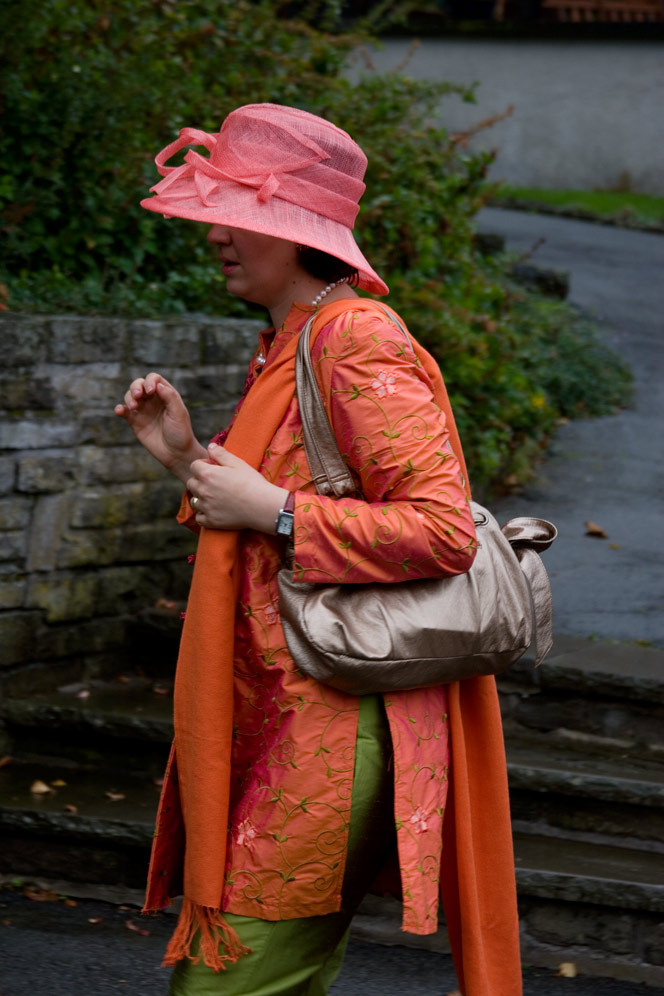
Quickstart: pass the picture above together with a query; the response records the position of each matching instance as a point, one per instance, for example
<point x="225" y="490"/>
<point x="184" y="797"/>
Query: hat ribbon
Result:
<point x="208" y="178"/>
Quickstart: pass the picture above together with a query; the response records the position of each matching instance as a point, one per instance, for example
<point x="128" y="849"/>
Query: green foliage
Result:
<point x="92" y="91"/>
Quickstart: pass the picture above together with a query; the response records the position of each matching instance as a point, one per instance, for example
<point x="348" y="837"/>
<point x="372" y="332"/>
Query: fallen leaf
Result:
<point x="567" y="970"/>
<point x="614" y="546"/>
<point x="58" y="783"/>
<point x="40" y="788"/>
<point x="4" y="761"/>
<point x="159" y="781"/>
<point x="6" y="922"/>
<point x="160" y="689"/>
<point x="114" y="796"/>
<point x="95" y="919"/>
<point x="83" y="694"/>
<point x="592" y="529"/>
<point x="124" y="679"/>
<point x="166" y="603"/>
<point x="130" y="925"/>
<point x="70" y="902"/>
<point x="70" y="808"/>
<point x="40" y="895"/>
<point x="124" y="909"/>
<point x="455" y="993"/>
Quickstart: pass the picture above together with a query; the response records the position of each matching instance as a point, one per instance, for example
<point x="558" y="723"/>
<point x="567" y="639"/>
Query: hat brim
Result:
<point x="274" y="217"/>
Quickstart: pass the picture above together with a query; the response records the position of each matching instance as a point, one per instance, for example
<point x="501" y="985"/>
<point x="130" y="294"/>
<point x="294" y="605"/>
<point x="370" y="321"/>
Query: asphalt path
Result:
<point x="95" y="949"/>
<point x="608" y="471"/>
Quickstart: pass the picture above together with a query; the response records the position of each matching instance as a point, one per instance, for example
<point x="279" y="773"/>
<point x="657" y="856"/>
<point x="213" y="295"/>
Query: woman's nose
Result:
<point x="219" y="235"/>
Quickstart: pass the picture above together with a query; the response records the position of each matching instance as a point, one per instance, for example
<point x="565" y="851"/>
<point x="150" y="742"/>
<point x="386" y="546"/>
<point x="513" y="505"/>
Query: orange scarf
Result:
<point x="478" y="872"/>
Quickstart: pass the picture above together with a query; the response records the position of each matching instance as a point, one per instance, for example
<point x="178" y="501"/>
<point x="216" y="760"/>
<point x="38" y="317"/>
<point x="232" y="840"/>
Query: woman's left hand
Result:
<point x="229" y="494"/>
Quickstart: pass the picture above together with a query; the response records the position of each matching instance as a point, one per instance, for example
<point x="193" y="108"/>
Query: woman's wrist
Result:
<point x="180" y="467"/>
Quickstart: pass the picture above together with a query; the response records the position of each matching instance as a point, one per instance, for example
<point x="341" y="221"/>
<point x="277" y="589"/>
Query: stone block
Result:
<point x="119" y="465"/>
<point x="64" y="598"/>
<point x="82" y="385"/>
<point x="216" y="386"/>
<point x="12" y="591"/>
<point x="18" y="637"/>
<point x="132" y="503"/>
<point x="14" y="513"/>
<point x="82" y="339"/>
<point x="155" y="343"/>
<point x="46" y="471"/>
<point x="230" y="340"/>
<point x="13" y="546"/>
<point x="23" y="390"/>
<point x="652" y="940"/>
<point x="563" y="924"/>
<point x="25" y="338"/>
<point x="7" y="474"/>
<point x="37" y="434"/>
<point x="207" y="422"/>
<point x="49" y="518"/>
<point x="27" y="680"/>
<point x="131" y="544"/>
<point x="91" y="636"/>
<point x="103" y="428"/>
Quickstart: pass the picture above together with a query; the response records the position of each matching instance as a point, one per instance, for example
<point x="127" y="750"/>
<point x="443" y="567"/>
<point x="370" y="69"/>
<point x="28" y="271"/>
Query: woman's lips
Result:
<point x="228" y="266"/>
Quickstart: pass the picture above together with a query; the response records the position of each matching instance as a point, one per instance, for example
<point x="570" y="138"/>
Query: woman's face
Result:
<point x="258" y="268"/>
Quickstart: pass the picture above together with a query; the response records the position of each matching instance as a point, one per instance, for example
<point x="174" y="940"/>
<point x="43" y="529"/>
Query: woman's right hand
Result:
<point x="160" y="421"/>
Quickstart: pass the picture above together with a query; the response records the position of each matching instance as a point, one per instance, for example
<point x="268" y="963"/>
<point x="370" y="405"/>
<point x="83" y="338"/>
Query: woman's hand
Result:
<point x="160" y="420"/>
<point x="232" y="495"/>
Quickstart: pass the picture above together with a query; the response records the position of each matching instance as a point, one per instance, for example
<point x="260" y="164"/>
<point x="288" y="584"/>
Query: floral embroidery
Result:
<point x="419" y="820"/>
<point x="383" y="384"/>
<point x="245" y="832"/>
<point x="271" y="614"/>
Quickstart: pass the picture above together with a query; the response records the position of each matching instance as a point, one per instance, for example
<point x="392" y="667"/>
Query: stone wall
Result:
<point x="588" y="115"/>
<point x="87" y="533"/>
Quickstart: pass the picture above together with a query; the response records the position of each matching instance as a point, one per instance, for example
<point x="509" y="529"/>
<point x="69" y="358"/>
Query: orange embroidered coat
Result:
<point x="293" y="739"/>
<point x="293" y="747"/>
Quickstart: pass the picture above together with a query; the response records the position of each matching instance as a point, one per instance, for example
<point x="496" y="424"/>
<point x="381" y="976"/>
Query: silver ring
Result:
<point x="194" y="501"/>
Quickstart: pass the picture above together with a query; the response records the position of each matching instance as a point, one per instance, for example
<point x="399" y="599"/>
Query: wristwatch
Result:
<point x="286" y="515"/>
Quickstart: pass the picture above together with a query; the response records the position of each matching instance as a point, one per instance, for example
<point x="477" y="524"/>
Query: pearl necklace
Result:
<point x="319" y="297"/>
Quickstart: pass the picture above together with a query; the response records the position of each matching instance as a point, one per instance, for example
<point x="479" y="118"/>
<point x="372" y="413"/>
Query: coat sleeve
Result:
<point x="414" y="519"/>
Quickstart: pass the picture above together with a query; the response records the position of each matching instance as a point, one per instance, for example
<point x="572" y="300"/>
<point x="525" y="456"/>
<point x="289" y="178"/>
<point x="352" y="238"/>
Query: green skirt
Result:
<point x="303" y="956"/>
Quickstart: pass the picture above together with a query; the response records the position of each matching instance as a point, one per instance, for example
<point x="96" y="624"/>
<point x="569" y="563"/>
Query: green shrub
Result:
<point x="92" y="91"/>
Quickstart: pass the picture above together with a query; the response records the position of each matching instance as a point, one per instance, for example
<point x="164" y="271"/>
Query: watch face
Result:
<point x="284" y="523"/>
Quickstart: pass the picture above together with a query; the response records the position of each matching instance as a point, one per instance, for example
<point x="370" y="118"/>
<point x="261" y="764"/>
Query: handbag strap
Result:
<point x="527" y="535"/>
<point x="328" y="469"/>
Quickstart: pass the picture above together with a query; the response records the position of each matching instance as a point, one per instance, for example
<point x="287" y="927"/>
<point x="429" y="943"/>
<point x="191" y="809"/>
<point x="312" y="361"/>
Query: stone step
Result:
<point x="600" y="691"/>
<point x="101" y="808"/>
<point x="585" y="872"/>
<point x="113" y="724"/>
<point x="618" y="779"/>
<point x="96" y="827"/>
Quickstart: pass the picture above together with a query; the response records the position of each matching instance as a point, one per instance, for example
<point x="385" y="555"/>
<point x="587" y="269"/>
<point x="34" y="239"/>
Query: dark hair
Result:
<point x="325" y="267"/>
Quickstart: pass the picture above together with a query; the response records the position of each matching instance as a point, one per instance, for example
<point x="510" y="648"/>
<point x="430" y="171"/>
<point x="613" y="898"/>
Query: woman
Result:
<point x="284" y="798"/>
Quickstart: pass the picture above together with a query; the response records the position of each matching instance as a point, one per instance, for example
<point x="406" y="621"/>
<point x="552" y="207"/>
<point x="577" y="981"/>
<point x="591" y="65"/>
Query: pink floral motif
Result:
<point x="384" y="383"/>
<point x="419" y="820"/>
<point x="271" y="614"/>
<point x="245" y="832"/>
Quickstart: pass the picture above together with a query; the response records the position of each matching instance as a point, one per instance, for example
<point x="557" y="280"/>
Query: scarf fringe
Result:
<point x="218" y="943"/>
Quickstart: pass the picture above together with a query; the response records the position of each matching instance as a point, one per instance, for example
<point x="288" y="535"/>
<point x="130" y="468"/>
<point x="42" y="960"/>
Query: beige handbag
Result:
<point x="364" y="638"/>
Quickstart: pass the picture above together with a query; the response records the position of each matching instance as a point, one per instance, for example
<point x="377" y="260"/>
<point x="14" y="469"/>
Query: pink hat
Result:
<point x="275" y="170"/>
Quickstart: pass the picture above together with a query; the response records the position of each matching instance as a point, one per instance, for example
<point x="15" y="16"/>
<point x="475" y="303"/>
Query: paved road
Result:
<point x="49" y="949"/>
<point x="608" y="470"/>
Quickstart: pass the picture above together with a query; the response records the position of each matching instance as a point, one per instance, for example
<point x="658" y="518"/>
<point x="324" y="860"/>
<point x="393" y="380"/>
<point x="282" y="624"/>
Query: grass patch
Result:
<point x="604" y="205"/>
